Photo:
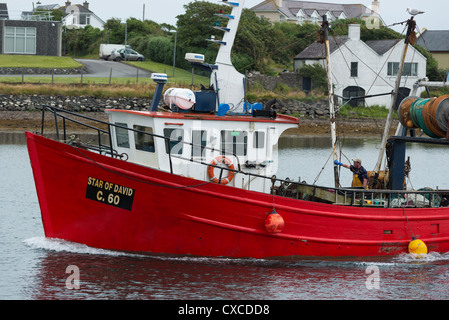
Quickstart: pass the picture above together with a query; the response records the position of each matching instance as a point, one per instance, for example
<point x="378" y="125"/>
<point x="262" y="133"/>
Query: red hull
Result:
<point x="148" y="210"/>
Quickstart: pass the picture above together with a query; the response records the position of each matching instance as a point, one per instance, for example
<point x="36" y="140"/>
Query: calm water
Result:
<point x="32" y="267"/>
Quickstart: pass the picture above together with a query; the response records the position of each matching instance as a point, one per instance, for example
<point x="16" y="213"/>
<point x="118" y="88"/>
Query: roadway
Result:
<point x="99" y="68"/>
<point x="102" y="68"/>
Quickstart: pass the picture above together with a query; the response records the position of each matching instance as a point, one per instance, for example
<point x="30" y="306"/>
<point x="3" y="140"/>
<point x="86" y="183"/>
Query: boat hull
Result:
<point x="112" y="204"/>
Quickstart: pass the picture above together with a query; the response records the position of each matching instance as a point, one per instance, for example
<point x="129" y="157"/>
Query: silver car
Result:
<point x="126" y="54"/>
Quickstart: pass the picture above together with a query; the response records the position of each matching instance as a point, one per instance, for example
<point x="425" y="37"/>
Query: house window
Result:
<point x="121" y="134"/>
<point x="199" y="139"/>
<point x="20" y="40"/>
<point x="174" y="144"/>
<point x="144" y="139"/>
<point x="354" y="69"/>
<point x="234" y="142"/>
<point x="410" y="69"/>
<point x="84" y="19"/>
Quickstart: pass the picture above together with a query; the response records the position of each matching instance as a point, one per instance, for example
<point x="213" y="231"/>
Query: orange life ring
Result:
<point x="216" y="161"/>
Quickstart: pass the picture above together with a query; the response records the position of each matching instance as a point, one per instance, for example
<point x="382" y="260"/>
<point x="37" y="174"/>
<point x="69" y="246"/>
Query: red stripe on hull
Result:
<point x="178" y="215"/>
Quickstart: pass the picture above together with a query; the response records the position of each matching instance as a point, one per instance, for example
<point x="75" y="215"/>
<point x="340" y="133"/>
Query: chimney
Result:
<point x="375" y="6"/>
<point x="86" y="5"/>
<point x="67" y="3"/>
<point x="354" y="31"/>
<point x="278" y="3"/>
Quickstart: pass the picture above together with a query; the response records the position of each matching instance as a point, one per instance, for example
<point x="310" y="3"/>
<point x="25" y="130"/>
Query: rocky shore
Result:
<point x="20" y="113"/>
<point x="20" y="121"/>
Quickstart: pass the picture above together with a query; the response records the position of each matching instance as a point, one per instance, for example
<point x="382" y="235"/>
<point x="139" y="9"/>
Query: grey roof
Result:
<point x="381" y="46"/>
<point x="316" y="49"/>
<point x="81" y="8"/>
<point x="4" y="11"/>
<point x="47" y="7"/>
<point x="434" y="40"/>
<point x="291" y="7"/>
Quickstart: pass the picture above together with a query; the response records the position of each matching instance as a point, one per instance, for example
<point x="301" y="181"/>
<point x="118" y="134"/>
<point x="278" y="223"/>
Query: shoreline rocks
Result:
<point x="76" y="104"/>
<point x="22" y="112"/>
<point x="313" y="110"/>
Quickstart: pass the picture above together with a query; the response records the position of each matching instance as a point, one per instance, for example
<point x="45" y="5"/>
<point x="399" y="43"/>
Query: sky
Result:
<point x="160" y="11"/>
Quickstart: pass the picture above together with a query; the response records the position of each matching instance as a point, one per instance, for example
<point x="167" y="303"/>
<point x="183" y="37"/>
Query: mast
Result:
<point x="408" y="39"/>
<point x="330" y="89"/>
<point x="226" y="80"/>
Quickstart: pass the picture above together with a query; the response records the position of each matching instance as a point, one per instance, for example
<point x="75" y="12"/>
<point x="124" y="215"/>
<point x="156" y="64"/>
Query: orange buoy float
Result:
<point x="274" y="223"/>
<point x="216" y="161"/>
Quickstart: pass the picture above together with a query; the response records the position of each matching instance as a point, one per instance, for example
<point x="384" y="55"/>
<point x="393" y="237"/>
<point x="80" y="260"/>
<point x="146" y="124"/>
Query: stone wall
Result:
<point x="292" y="79"/>
<point x="46" y="71"/>
<point x="77" y="104"/>
<point x="301" y="109"/>
<point x="318" y="109"/>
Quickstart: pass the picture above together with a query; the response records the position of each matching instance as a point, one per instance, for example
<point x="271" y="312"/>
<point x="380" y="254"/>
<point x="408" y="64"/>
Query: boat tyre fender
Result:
<point x="216" y="161"/>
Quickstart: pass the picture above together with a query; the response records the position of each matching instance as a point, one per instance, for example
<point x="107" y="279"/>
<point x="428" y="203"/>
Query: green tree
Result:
<point x="195" y="25"/>
<point x="80" y="42"/>
<point x="255" y="41"/>
<point x="340" y="27"/>
<point x="115" y="30"/>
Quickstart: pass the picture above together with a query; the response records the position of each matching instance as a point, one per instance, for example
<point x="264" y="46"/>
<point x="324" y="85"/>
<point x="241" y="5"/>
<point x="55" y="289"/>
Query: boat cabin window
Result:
<point x="173" y="146"/>
<point x="121" y="133"/>
<point x="259" y="140"/>
<point x="199" y="139"/>
<point x="234" y="142"/>
<point x="144" y="140"/>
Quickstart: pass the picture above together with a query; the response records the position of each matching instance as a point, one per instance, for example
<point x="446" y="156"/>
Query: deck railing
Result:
<point x="280" y="187"/>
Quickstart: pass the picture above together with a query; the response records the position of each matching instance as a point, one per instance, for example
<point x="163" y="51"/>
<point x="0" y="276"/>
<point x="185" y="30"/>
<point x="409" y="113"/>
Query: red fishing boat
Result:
<point x="200" y="180"/>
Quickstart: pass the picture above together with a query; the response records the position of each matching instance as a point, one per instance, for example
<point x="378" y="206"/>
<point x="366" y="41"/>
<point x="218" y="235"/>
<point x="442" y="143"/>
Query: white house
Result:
<point x="301" y="12"/>
<point x="366" y="68"/>
<point x="78" y="16"/>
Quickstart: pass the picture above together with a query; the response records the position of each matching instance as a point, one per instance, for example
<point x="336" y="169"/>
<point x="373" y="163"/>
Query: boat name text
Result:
<point x="110" y="193"/>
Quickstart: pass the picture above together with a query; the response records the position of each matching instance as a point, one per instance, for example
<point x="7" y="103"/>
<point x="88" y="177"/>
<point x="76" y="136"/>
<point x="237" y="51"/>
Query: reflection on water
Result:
<point x="111" y="275"/>
<point x="33" y="267"/>
<point x="12" y="138"/>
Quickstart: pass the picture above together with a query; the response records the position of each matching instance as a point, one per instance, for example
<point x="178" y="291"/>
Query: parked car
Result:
<point x="106" y="50"/>
<point x="129" y="54"/>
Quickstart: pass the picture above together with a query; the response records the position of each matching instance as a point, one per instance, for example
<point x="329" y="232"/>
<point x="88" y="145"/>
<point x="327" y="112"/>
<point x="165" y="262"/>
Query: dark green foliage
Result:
<point x="318" y="75"/>
<point x="259" y="44"/>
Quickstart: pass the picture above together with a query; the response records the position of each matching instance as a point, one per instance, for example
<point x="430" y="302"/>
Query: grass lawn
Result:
<point x="31" y="61"/>
<point x="91" y="86"/>
<point x="46" y="79"/>
<point x="93" y="90"/>
<point x="181" y="76"/>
